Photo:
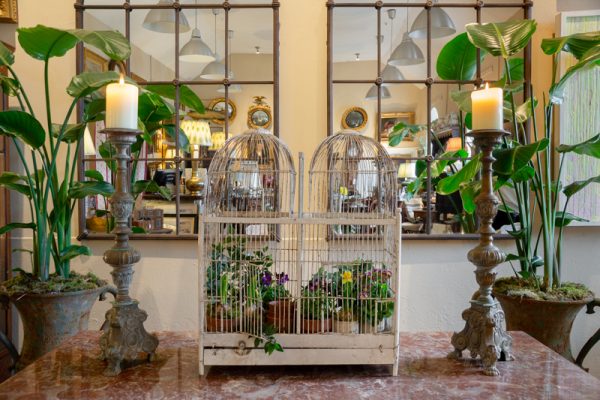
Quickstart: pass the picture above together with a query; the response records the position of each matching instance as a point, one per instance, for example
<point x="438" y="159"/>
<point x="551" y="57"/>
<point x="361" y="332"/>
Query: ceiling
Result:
<point x="355" y="31"/>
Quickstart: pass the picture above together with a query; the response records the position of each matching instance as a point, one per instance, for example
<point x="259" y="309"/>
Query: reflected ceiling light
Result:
<point x="214" y="71"/>
<point x="391" y="73"/>
<point x="257" y="49"/>
<point x="407" y="52"/>
<point x="441" y="24"/>
<point x="196" y="50"/>
<point x="234" y="88"/>
<point x="372" y="93"/>
<point x="357" y="56"/>
<point x="163" y="19"/>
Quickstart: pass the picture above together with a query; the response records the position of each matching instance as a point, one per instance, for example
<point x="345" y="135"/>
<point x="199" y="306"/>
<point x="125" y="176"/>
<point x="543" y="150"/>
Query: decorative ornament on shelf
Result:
<point x="199" y="136"/>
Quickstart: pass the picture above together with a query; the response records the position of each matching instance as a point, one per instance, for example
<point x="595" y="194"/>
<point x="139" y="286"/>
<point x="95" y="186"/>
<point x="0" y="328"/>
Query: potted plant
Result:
<point x="52" y="305"/>
<point x="317" y="304"/>
<point x="277" y="301"/>
<point x="376" y="302"/>
<point x="223" y="315"/>
<point x="542" y="305"/>
<point x="345" y="285"/>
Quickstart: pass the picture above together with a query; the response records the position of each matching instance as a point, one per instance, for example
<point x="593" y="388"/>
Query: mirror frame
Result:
<point x="126" y="7"/>
<point x="380" y="7"/>
<point x="362" y="112"/>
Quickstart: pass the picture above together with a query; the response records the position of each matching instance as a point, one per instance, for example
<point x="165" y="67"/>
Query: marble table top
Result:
<point x="73" y="372"/>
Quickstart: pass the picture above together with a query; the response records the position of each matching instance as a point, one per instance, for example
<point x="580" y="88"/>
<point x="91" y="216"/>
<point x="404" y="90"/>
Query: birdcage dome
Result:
<point x="252" y="172"/>
<point x="351" y="173"/>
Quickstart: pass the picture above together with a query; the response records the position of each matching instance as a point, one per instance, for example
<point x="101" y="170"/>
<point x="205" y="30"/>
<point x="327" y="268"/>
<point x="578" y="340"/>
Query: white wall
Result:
<point x="437" y="280"/>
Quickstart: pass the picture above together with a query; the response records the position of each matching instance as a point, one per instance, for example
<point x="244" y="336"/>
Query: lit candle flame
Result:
<point x="487" y="86"/>
<point x="121" y="80"/>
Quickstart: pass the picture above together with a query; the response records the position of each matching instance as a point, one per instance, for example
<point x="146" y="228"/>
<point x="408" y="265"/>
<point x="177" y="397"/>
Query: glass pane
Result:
<point x="354" y="43"/>
<point x="152" y="46"/>
<point x="202" y="48"/>
<point x="352" y="109"/>
<point x="251" y="44"/>
<point x="94" y="60"/>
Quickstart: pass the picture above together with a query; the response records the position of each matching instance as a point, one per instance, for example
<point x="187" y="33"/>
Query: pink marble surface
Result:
<point x="74" y="372"/>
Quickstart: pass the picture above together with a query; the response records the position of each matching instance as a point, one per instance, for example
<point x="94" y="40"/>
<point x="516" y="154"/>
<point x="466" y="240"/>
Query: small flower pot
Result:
<point x="346" y="326"/>
<point x="316" y="325"/>
<point x="281" y="315"/>
<point x="372" y="329"/>
<point x="218" y="324"/>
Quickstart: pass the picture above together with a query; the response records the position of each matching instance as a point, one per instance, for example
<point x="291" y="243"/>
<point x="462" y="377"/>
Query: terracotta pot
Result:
<point x="218" y="324"/>
<point x="49" y="319"/>
<point x="346" y="326"/>
<point x="549" y="322"/>
<point x="281" y="315"/>
<point x="314" y="325"/>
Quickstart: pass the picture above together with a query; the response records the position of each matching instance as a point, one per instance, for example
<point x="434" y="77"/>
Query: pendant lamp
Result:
<point x="163" y="19"/>
<point x="196" y="51"/>
<point x="441" y="24"/>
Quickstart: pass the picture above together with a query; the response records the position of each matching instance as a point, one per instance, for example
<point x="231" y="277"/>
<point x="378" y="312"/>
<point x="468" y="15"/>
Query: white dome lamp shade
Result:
<point x="391" y="73"/>
<point x="215" y="71"/>
<point x="406" y="53"/>
<point x="441" y="24"/>
<point x="196" y="51"/>
<point x="163" y="19"/>
<point x="372" y="93"/>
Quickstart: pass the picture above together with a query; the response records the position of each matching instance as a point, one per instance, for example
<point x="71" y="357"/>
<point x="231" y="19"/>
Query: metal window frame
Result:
<point x="127" y="8"/>
<point x="477" y="5"/>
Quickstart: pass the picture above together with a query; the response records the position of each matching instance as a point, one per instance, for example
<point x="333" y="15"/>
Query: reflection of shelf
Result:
<point x="185" y="197"/>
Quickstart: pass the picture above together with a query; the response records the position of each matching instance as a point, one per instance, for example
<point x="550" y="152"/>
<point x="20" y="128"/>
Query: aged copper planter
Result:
<point x="281" y="315"/>
<point x="49" y="319"/>
<point x="549" y="322"/>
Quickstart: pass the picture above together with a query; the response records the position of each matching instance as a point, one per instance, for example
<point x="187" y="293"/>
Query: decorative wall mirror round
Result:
<point x="218" y="105"/>
<point x="259" y="114"/>
<point x="355" y="118"/>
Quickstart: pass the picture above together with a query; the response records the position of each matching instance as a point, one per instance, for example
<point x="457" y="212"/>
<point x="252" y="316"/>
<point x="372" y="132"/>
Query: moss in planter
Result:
<point x="25" y="283"/>
<point x="529" y="288"/>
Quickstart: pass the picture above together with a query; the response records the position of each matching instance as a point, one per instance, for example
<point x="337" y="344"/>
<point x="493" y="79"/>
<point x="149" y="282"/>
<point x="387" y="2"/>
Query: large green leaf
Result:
<point x="184" y="142"/>
<point x="146" y="186"/>
<point x="565" y="218"/>
<point x="186" y="96"/>
<point x="588" y="60"/>
<point x="73" y="251"/>
<point x="590" y="147"/>
<point x="16" y="225"/>
<point x="153" y="108"/>
<point x="94" y="175"/>
<point x="111" y="43"/>
<point x="458" y="59"/>
<point x="511" y="160"/>
<point x="43" y="42"/>
<point x="468" y="194"/>
<point x="577" y="186"/>
<point x="6" y="56"/>
<point x="79" y="190"/>
<point x="10" y="86"/>
<point x="516" y="69"/>
<point x="88" y="82"/>
<point x="94" y="110"/>
<point x="453" y="183"/>
<point x="22" y="125"/>
<point x="501" y="39"/>
<point x="73" y="132"/>
<point x="577" y="44"/>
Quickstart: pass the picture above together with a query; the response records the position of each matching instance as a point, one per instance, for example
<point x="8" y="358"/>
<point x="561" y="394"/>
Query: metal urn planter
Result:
<point x="49" y="319"/>
<point x="550" y="322"/>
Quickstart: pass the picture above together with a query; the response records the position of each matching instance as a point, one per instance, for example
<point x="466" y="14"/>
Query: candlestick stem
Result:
<point x="124" y="336"/>
<point x="484" y="335"/>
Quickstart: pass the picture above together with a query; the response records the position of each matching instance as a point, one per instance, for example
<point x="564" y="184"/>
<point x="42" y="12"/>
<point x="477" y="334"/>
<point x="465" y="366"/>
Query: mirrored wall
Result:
<point x="225" y="54"/>
<point x="390" y="79"/>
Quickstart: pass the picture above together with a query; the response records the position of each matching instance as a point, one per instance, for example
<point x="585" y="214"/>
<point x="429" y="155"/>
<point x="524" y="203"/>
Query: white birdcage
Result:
<point x="322" y="284"/>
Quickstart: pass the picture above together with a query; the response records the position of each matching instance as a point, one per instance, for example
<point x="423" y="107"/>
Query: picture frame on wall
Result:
<point x="93" y="62"/>
<point x="387" y="121"/>
<point x="8" y="11"/>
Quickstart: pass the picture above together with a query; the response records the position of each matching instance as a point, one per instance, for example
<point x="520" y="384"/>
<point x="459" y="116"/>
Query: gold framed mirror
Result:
<point x="218" y="105"/>
<point x="355" y="118"/>
<point x="259" y="114"/>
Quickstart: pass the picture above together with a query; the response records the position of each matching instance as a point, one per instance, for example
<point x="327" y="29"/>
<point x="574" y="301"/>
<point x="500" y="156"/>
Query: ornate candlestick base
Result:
<point x="124" y="337"/>
<point x="484" y="335"/>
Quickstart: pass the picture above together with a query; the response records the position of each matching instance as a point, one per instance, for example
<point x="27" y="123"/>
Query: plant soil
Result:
<point x="529" y="288"/>
<point x="26" y="283"/>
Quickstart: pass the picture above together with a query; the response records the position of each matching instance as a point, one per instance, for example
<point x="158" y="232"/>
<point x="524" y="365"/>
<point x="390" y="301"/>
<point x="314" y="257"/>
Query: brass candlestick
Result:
<point x="124" y="337"/>
<point x="484" y="333"/>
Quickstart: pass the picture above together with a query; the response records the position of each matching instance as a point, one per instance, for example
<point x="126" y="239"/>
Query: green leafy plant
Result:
<point x="48" y="181"/>
<point x="376" y="296"/>
<point x="526" y="166"/>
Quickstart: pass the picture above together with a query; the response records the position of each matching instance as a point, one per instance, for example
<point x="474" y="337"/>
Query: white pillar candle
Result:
<point x="122" y="105"/>
<point x="488" y="108"/>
